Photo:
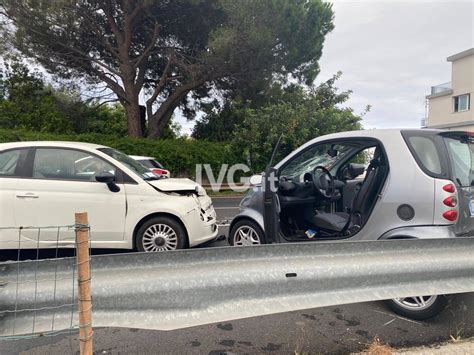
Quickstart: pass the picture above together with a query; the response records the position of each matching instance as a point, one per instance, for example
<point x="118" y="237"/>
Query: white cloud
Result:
<point x="392" y="52"/>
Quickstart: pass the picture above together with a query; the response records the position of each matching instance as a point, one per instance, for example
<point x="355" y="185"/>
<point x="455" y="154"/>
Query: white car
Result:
<point x="152" y="164"/>
<point x="45" y="183"/>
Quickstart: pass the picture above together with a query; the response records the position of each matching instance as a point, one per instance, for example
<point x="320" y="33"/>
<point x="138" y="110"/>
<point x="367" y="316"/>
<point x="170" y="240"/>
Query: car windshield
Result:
<point x="130" y="163"/>
<point x="326" y="155"/>
<point x="461" y="154"/>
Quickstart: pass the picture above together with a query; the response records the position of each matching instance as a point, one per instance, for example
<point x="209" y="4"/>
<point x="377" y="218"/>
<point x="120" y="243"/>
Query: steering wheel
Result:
<point x="323" y="182"/>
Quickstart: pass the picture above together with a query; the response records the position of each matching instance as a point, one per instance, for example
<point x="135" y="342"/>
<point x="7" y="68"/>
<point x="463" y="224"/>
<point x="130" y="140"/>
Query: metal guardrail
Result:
<point x="172" y="290"/>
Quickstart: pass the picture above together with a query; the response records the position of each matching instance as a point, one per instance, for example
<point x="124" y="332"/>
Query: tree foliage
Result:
<point x="296" y="113"/>
<point x="218" y="123"/>
<point x="28" y="102"/>
<point x="172" y="48"/>
<point x="178" y="155"/>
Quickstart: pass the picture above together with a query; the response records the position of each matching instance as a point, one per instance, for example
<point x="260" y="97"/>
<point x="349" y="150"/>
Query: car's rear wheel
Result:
<point x="160" y="234"/>
<point x="419" y="307"/>
<point x="246" y="233"/>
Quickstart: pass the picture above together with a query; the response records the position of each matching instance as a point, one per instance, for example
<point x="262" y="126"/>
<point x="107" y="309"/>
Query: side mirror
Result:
<point x="109" y="179"/>
<point x="105" y="177"/>
<point x="332" y="152"/>
<point x="255" y="179"/>
<point x="356" y="169"/>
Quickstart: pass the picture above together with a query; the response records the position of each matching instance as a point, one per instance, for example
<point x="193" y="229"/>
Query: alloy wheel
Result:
<point x="159" y="237"/>
<point x="416" y="303"/>
<point x="245" y="236"/>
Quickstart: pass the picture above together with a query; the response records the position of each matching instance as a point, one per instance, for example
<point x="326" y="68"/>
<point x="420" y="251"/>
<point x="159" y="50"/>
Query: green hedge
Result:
<point x="178" y="155"/>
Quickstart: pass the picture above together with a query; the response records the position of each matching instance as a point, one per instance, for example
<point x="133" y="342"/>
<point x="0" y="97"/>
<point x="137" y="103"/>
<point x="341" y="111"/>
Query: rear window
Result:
<point x="461" y="155"/>
<point x="151" y="164"/>
<point x="8" y="162"/>
<point x="12" y="161"/>
<point x="426" y="154"/>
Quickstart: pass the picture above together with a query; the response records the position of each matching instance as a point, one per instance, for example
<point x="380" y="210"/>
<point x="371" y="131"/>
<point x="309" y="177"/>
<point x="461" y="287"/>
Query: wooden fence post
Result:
<point x="84" y="284"/>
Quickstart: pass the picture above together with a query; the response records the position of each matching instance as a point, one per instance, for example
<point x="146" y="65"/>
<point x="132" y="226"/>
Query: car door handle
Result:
<point x="27" y="195"/>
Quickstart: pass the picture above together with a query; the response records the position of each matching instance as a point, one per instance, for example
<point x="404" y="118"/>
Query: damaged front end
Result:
<point x="187" y="187"/>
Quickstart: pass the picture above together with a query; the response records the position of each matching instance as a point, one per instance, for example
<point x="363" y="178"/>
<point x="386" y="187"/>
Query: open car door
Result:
<point x="271" y="210"/>
<point x="271" y="203"/>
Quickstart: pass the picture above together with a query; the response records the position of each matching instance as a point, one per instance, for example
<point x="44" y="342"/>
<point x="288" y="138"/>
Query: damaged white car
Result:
<point x="129" y="207"/>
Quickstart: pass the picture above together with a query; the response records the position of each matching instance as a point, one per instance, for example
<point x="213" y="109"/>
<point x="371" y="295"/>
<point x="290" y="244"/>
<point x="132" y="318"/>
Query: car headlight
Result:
<point x="200" y="191"/>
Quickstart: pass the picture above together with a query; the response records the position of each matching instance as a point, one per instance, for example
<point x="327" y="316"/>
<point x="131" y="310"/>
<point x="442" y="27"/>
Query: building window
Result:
<point x="461" y="102"/>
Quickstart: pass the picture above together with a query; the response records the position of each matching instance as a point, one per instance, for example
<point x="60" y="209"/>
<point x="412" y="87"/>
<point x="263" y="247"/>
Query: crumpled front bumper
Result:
<point x="201" y="222"/>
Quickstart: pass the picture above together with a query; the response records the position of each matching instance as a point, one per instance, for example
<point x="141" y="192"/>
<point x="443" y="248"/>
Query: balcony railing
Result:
<point x="441" y="88"/>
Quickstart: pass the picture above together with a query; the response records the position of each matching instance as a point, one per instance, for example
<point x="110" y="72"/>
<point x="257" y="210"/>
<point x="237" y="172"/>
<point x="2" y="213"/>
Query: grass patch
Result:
<point x="378" y="348"/>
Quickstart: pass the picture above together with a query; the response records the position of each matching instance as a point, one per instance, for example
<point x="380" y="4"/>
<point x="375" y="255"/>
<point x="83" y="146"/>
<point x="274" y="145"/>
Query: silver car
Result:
<point x="366" y="185"/>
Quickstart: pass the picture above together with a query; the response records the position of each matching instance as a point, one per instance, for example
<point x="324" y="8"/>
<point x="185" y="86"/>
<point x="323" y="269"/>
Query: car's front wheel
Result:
<point x="160" y="234"/>
<point x="419" y="307"/>
<point x="246" y="233"/>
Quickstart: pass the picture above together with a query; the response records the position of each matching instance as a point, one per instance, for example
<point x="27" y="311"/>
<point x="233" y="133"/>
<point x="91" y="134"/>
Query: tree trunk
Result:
<point x="133" y="119"/>
<point x="160" y="119"/>
<point x="159" y="124"/>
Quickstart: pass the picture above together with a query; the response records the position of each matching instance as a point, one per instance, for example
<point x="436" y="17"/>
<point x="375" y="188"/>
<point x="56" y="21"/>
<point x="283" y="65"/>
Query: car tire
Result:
<point x="246" y="233"/>
<point x="160" y="234"/>
<point x="420" y="308"/>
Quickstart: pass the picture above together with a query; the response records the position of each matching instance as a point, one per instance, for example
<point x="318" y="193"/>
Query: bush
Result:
<point x="180" y="156"/>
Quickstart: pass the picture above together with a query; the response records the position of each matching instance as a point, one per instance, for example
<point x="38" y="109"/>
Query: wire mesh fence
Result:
<point x="34" y="301"/>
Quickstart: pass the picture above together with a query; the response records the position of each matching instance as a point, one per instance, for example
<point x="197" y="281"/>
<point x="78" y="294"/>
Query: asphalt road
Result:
<point x="226" y="208"/>
<point x="341" y="329"/>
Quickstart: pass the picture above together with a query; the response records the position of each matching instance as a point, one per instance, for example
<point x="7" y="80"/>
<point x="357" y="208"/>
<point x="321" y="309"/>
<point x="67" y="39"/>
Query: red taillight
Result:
<point x="450" y="215"/>
<point x="450" y="201"/>
<point x="449" y="188"/>
<point x="160" y="171"/>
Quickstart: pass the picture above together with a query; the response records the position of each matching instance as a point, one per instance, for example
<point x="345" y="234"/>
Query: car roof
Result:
<point x="139" y="157"/>
<point x="376" y="133"/>
<point x="379" y="134"/>
<point x="64" y="144"/>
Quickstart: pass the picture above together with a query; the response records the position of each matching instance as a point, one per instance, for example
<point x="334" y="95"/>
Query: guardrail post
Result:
<point x="84" y="284"/>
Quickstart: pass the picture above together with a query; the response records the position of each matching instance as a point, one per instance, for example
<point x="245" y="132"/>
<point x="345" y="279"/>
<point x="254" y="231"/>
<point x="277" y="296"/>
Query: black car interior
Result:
<point x="333" y="201"/>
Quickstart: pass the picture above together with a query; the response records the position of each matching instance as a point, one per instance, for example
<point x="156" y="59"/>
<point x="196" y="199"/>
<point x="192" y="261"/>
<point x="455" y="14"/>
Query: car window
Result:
<point x="9" y="161"/>
<point x="155" y="164"/>
<point x="68" y="164"/>
<point x="147" y="163"/>
<point x="150" y="164"/>
<point x="313" y="157"/>
<point x="363" y="157"/>
<point x="426" y="153"/>
<point x="130" y="163"/>
<point x="461" y="154"/>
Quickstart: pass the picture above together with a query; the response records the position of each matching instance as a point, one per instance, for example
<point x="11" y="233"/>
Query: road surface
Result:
<point x="226" y="209"/>
<point x="341" y="329"/>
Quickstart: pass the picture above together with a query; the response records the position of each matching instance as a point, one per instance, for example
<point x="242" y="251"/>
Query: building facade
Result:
<point x="450" y="105"/>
